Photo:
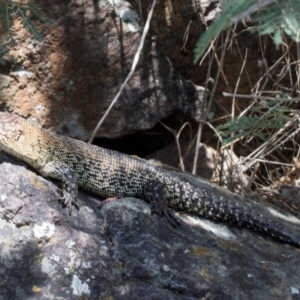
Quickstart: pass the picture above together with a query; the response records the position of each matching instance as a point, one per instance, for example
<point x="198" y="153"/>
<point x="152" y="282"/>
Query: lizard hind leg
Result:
<point x="155" y="194"/>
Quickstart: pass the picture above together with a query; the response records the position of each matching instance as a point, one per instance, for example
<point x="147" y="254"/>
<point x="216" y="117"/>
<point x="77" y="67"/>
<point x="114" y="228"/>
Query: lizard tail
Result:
<point x="229" y="209"/>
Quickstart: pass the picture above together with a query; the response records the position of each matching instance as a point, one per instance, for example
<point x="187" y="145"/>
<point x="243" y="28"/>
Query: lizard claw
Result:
<point x="170" y="216"/>
<point x="167" y="213"/>
<point x="154" y="192"/>
<point x="67" y="200"/>
<point x="66" y="175"/>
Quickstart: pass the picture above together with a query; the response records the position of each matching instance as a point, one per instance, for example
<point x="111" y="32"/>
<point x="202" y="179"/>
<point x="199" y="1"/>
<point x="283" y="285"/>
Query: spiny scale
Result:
<point x="109" y="173"/>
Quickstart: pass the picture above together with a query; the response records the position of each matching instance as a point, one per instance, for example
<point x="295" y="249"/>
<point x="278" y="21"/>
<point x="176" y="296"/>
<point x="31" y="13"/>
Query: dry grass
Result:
<point x="275" y="160"/>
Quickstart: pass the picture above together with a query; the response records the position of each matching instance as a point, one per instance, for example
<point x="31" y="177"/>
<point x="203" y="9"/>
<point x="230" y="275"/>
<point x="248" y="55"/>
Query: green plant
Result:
<point x="268" y="17"/>
<point x="261" y="119"/>
<point x="278" y="18"/>
<point x="9" y="10"/>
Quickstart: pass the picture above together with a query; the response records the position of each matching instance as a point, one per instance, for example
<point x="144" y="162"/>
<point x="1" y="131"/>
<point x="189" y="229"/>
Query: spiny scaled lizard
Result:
<point x="109" y="173"/>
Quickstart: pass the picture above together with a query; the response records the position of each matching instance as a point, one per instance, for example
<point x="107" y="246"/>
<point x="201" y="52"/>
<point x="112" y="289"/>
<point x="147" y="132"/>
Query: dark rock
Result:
<point x="67" y="81"/>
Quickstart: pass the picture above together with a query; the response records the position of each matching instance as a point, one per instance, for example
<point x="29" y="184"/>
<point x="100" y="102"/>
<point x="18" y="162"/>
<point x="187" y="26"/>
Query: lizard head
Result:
<point x="24" y="140"/>
<point x="19" y="137"/>
<point x="9" y="127"/>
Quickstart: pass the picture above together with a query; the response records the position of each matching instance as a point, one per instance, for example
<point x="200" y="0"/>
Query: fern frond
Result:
<point x="8" y="11"/>
<point x="28" y="24"/>
<point x="275" y="18"/>
<point x="3" y="51"/>
<point x="278" y="18"/>
<point x="259" y="123"/>
<point x="39" y="13"/>
<point x="6" y="19"/>
<point x="230" y="9"/>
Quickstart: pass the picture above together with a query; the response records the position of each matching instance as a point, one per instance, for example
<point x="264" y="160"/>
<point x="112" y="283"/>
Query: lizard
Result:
<point x="109" y="173"/>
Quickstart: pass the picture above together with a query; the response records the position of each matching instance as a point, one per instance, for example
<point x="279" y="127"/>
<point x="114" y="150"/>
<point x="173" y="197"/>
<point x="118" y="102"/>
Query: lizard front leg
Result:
<point x="62" y="172"/>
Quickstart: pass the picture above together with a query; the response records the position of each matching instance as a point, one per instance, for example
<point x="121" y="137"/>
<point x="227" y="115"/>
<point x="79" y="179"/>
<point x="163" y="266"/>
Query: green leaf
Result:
<point x="275" y="18"/>
<point x="230" y="9"/>
<point x="39" y="13"/>
<point x="28" y="24"/>
<point x="6" y="17"/>
<point x="8" y="11"/>
<point x="277" y="37"/>
<point x="260" y="123"/>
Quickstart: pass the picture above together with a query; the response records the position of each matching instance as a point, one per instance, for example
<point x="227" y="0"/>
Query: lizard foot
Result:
<point x="154" y="192"/>
<point x="68" y="201"/>
<point x="167" y="213"/>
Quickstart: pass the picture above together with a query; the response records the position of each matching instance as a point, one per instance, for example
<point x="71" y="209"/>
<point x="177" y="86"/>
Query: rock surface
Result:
<point x="124" y="252"/>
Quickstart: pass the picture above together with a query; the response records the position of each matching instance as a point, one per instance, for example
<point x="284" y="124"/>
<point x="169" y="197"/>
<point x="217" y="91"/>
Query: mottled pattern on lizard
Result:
<point x="109" y="173"/>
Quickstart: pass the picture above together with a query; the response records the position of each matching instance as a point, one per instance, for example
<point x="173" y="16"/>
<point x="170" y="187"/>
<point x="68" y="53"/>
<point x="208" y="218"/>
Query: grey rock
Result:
<point x="121" y="251"/>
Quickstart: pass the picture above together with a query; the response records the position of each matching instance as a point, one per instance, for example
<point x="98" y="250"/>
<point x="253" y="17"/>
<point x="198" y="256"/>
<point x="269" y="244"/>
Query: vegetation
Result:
<point x="268" y="17"/>
<point x="260" y="137"/>
<point x="271" y="116"/>
<point x="9" y="11"/>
